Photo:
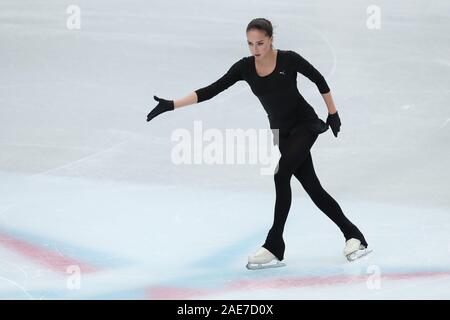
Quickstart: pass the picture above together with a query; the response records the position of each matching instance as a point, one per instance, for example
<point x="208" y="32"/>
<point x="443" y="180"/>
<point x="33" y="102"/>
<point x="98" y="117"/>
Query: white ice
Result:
<point x="92" y="207"/>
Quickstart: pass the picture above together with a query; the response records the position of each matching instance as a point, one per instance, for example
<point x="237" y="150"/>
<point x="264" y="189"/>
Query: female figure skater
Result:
<point x="272" y="76"/>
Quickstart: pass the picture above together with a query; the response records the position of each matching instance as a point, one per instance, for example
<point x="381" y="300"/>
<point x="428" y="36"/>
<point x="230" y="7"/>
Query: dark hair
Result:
<point x="261" y="24"/>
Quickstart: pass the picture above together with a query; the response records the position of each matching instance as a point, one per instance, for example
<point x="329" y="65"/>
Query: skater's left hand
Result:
<point x="334" y="122"/>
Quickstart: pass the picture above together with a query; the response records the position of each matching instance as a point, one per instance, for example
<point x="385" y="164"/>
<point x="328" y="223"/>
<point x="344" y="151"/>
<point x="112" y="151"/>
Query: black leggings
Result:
<point x="295" y="145"/>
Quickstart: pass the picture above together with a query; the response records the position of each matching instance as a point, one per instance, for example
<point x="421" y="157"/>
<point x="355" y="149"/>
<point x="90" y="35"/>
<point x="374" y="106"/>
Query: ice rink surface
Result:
<point x="93" y="207"/>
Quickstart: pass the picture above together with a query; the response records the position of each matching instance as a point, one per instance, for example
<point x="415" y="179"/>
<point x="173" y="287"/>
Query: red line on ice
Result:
<point x="161" y="292"/>
<point x="50" y="259"/>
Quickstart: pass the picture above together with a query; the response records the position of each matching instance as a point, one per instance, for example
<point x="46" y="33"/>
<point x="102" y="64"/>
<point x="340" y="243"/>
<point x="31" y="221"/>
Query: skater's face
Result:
<point x="258" y="43"/>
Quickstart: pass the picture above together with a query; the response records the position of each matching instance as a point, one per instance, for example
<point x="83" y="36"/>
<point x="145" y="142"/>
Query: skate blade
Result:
<point x="358" y="254"/>
<point x="260" y="266"/>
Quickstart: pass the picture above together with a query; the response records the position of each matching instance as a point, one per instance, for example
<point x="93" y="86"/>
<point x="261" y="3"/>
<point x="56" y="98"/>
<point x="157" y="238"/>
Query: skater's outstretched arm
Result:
<point x="170" y="105"/>
<point x="231" y="77"/>
<point x="191" y="98"/>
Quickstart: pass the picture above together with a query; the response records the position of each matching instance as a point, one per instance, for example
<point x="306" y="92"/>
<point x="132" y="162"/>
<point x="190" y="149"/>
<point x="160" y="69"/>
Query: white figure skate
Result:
<point x="263" y="259"/>
<point x="354" y="250"/>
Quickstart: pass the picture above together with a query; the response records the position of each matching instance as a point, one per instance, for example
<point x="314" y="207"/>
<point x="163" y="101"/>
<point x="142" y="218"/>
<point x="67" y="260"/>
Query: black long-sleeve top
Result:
<point x="277" y="92"/>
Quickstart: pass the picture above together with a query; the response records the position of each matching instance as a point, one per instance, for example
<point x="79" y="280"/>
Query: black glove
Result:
<point x="163" y="106"/>
<point x="334" y="122"/>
